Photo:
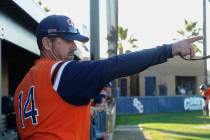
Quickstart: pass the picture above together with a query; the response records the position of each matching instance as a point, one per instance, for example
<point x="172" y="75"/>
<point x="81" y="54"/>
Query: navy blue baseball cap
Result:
<point x="59" y="26"/>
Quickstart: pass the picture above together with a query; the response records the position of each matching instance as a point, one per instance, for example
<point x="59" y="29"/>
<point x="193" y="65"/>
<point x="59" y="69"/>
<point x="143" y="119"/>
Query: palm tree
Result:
<point x="123" y="38"/>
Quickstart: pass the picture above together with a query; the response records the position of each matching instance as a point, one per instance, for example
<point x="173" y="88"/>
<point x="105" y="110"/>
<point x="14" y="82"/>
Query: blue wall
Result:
<point x="157" y="104"/>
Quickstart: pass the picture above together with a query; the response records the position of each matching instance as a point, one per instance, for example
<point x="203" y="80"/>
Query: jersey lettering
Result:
<point x="30" y="110"/>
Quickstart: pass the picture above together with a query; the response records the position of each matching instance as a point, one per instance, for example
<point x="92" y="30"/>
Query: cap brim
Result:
<point x="77" y="37"/>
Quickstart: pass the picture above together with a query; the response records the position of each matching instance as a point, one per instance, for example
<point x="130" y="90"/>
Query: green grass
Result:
<point x="171" y="126"/>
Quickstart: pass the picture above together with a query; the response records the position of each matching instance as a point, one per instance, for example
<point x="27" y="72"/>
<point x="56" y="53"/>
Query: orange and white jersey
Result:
<point x="42" y="113"/>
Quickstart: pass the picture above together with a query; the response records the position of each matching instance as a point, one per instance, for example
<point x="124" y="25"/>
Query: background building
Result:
<point x="166" y="79"/>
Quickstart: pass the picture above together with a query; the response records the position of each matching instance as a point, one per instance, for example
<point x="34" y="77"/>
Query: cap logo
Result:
<point x="70" y="22"/>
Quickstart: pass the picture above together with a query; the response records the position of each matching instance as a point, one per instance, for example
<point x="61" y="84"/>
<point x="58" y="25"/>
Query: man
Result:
<point x="52" y="100"/>
<point x="205" y="92"/>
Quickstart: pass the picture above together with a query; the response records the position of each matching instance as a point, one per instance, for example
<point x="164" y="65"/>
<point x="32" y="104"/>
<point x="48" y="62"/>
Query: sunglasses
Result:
<point x="55" y="32"/>
<point x="197" y="58"/>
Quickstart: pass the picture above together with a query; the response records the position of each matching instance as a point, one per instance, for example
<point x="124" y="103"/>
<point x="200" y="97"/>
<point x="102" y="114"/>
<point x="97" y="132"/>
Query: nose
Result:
<point x="74" y="46"/>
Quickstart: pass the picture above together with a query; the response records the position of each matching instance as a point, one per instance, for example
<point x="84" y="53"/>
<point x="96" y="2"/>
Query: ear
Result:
<point x="46" y="43"/>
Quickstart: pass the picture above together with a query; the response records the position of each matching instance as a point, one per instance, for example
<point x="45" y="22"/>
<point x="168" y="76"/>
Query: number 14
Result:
<point x="31" y="113"/>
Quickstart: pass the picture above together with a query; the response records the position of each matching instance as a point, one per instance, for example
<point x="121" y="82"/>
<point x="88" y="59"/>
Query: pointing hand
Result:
<point x="184" y="47"/>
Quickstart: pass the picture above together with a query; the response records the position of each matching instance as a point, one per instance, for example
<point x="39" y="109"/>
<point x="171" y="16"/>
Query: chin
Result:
<point x="71" y="58"/>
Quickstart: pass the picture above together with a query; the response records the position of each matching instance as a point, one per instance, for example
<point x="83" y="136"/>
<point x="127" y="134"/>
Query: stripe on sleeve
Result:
<point x="55" y="72"/>
<point x="54" y="66"/>
<point x="58" y="75"/>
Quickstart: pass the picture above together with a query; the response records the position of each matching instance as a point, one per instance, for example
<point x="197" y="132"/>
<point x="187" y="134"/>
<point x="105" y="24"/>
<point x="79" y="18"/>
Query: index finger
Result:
<point x="196" y="38"/>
